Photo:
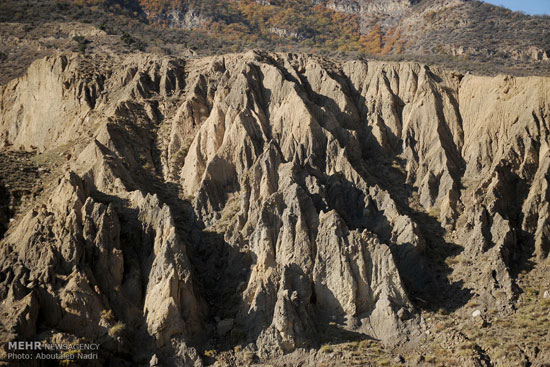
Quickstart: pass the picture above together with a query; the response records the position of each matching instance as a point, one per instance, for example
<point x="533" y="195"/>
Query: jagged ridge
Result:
<point x="272" y="198"/>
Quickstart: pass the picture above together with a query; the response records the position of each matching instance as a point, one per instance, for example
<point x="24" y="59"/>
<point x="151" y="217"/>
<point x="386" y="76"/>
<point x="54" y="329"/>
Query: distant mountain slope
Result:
<point x="461" y="34"/>
<point x="430" y="27"/>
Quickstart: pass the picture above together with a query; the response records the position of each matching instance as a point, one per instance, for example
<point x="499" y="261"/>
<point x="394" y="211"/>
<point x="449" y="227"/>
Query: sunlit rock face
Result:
<point x="265" y="198"/>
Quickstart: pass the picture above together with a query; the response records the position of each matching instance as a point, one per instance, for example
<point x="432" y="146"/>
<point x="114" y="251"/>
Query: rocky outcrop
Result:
<point x="85" y="275"/>
<point x="270" y="199"/>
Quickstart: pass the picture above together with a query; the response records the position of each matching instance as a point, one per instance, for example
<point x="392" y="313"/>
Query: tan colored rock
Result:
<point x="287" y="193"/>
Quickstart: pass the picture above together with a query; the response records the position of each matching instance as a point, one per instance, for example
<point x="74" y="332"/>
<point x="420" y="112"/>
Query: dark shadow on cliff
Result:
<point x="219" y="270"/>
<point x="511" y="193"/>
<point x="333" y="333"/>
<point x="424" y="272"/>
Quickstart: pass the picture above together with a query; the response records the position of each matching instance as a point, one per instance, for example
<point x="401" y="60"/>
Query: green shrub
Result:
<point x="82" y="43"/>
<point x="326" y="348"/>
<point x="210" y="353"/>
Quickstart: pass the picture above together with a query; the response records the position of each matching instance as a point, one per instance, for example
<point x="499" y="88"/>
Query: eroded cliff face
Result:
<point x="272" y="199"/>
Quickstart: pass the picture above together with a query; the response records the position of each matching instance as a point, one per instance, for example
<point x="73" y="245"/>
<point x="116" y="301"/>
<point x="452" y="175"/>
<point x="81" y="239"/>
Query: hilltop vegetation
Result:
<point x="468" y="35"/>
<point x="305" y="25"/>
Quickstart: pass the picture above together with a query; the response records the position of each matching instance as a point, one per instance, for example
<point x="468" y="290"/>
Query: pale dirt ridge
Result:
<point x="268" y="200"/>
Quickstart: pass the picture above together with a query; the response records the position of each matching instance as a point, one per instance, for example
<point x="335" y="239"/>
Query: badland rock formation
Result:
<point x="269" y="200"/>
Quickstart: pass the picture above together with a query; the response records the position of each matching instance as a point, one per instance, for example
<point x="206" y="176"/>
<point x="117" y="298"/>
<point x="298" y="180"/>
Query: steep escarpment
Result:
<point x="273" y="201"/>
